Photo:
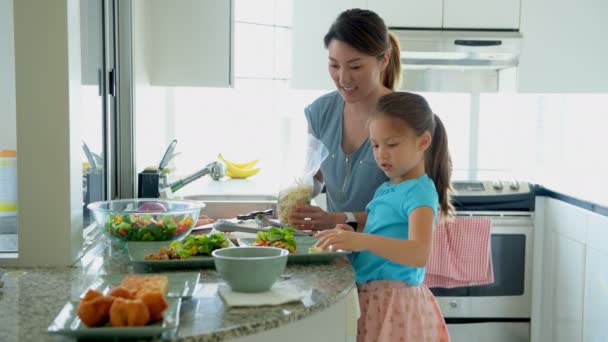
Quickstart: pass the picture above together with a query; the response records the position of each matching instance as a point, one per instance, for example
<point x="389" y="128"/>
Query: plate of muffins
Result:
<point x="136" y="307"/>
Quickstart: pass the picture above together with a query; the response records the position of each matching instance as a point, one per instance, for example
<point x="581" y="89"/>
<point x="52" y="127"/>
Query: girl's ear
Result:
<point x="424" y="141"/>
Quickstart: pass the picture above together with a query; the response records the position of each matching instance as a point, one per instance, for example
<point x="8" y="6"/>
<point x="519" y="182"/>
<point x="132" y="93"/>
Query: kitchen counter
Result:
<point x="33" y="297"/>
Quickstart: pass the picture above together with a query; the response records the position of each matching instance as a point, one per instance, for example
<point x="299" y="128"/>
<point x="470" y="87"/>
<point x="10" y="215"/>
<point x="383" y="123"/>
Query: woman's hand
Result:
<point x="341" y="237"/>
<point x="310" y="217"/>
<point x="203" y="220"/>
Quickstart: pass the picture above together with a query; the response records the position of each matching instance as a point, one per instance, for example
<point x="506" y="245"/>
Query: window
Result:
<point x="8" y="132"/>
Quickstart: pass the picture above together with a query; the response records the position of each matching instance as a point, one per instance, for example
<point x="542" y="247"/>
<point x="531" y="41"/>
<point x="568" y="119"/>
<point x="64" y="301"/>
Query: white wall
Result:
<point x="8" y="137"/>
<point x="47" y="70"/>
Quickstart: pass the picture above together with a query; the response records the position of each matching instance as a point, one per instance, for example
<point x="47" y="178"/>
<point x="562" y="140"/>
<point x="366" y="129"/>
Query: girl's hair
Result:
<point x="365" y="31"/>
<point x="416" y="113"/>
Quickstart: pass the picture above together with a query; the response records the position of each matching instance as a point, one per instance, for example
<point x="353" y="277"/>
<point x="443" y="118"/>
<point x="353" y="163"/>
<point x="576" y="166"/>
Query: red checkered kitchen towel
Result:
<point x="461" y="254"/>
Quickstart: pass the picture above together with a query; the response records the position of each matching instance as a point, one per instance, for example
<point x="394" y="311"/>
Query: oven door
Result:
<point x="490" y="331"/>
<point x="510" y="294"/>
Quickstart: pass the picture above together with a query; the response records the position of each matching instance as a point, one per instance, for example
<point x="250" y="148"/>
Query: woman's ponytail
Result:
<point x="391" y="77"/>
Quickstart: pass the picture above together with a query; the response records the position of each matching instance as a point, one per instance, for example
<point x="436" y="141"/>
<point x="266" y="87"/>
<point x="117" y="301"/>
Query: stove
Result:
<point x="499" y="311"/>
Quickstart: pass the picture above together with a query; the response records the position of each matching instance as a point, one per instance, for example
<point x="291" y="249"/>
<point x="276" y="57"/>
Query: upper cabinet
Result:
<point x="481" y="14"/>
<point x="311" y="21"/>
<point x="564" y="47"/>
<point x="186" y="42"/>
<point x="409" y="13"/>
<point x="458" y="14"/>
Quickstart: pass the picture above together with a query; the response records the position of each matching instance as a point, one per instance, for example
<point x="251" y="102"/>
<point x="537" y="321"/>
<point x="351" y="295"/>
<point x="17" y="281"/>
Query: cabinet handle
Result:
<point x="471" y="42"/>
<point x="112" y="82"/>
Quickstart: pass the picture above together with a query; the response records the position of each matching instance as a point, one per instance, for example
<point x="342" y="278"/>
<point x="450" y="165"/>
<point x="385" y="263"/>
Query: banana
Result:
<point x="245" y="165"/>
<point x="241" y="173"/>
<point x="239" y="170"/>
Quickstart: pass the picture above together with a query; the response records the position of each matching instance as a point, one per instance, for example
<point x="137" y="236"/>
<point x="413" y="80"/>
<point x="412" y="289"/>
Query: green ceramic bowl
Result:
<point x="250" y="269"/>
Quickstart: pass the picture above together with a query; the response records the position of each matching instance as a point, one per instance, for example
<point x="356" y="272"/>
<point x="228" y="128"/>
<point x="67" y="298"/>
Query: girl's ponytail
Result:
<point x="438" y="165"/>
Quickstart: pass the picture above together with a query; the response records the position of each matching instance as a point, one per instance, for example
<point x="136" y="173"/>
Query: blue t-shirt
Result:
<point x="388" y="215"/>
<point x="350" y="180"/>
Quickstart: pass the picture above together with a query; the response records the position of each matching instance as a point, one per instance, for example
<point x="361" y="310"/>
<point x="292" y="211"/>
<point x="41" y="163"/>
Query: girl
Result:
<point x="410" y="146"/>
<point x="364" y="63"/>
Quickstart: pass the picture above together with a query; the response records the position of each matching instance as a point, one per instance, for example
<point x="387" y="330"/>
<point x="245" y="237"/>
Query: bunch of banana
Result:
<point x="239" y="170"/>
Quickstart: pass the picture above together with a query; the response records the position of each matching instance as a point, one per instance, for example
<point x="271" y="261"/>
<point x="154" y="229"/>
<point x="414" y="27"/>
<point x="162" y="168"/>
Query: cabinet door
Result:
<point x="596" y="297"/>
<point x="564" y="47"/>
<point x="596" y="279"/>
<point x="311" y="21"/>
<point x="568" y="283"/>
<point x="481" y="14"/>
<point x="409" y="13"/>
<point x="188" y="42"/>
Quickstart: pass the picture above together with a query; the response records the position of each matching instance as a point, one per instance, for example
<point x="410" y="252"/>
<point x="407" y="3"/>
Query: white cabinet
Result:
<point x="596" y="280"/>
<point x="311" y="21"/>
<point x="464" y="14"/>
<point x="596" y="296"/>
<point x="568" y="283"/>
<point x="187" y="42"/>
<point x="573" y="294"/>
<point x="564" y="47"/>
<point x="312" y="18"/>
<point x="481" y="14"/>
<point x="409" y="13"/>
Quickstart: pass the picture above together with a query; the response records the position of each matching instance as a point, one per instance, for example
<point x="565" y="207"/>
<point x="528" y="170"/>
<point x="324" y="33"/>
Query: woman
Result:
<point x="364" y="64"/>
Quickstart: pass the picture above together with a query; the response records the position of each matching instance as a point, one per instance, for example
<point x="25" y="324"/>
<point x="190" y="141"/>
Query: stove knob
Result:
<point x="497" y="185"/>
<point x="514" y="185"/>
<point x="453" y="304"/>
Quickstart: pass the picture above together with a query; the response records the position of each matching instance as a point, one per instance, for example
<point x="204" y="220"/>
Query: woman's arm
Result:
<point x="414" y="251"/>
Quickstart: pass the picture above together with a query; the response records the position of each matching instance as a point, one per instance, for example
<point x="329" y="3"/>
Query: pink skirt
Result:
<point x="396" y="311"/>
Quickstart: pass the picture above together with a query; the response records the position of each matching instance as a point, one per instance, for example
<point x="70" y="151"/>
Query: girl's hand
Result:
<point x="341" y="237"/>
<point x="203" y="220"/>
<point x="310" y="217"/>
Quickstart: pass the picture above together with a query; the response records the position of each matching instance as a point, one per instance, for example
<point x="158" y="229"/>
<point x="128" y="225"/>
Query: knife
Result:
<point x="254" y="214"/>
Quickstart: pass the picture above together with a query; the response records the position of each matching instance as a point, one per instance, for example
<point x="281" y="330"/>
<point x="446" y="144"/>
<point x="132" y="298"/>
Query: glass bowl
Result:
<point x="146" y="219"/>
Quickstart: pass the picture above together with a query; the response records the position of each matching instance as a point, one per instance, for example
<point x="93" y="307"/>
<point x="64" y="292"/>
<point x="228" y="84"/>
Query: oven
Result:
<point x="499" y="311"/>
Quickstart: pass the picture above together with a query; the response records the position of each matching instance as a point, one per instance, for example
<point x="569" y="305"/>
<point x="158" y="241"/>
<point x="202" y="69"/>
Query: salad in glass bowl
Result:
<point x="146" y="219"/>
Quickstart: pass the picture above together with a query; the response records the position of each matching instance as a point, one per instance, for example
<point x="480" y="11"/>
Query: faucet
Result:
<point x="215" y="170"/>
<point x="152" y="183"/>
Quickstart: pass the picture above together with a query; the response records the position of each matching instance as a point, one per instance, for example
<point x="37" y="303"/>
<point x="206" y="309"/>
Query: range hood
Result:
<point x="459" y="61"/>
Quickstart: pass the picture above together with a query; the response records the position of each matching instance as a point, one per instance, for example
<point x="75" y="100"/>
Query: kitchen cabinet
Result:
<point x="596" y="297"/>
<point x="311" y="21"/>
<point x="463" y="14"/>
<point x="573" y="292"/>
<point x="481" y="14"/>
<point x="310" y="25"/>
<point x="596" y="280"/>
<point x="409" y="13"/>
<point x="187" y="43"/>
<point x="564" y="47"/>
<point x="568" y="284"/>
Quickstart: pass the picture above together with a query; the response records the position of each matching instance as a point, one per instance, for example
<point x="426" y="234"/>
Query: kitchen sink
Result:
<point x="229" y="206"/>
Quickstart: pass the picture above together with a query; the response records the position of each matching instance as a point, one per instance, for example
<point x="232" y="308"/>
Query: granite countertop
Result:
<point x="31" y="298"/>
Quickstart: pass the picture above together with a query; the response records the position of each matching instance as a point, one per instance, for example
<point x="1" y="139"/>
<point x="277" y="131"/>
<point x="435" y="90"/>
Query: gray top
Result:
<point x="350" y="180"/>
<point x="31" y="298"/>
